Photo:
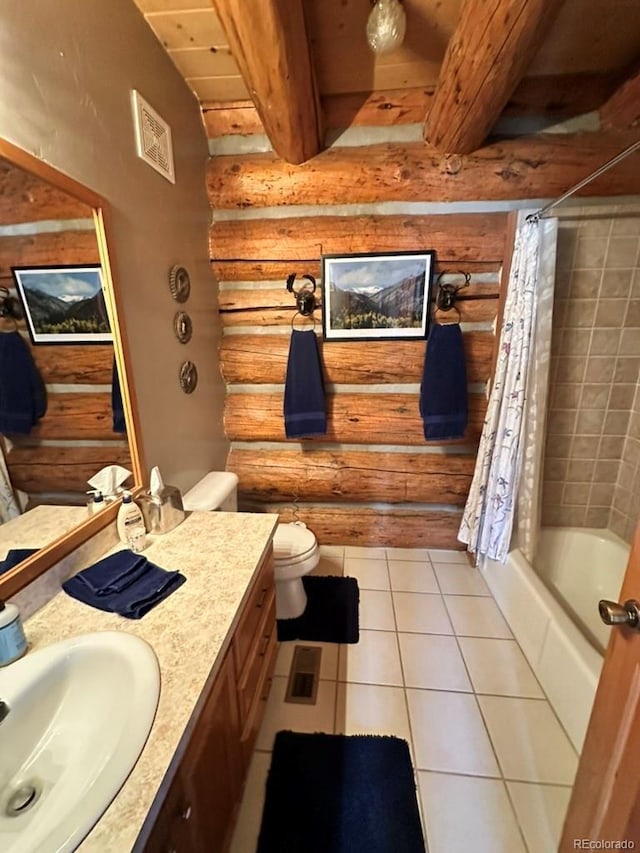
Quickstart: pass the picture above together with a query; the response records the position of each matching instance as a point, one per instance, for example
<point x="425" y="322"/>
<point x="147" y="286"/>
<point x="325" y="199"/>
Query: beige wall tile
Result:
<point x="581" y="471"/>
<point x="618" y="523"/>
<point x="590" y="252"/>
<point x="599" y="369"/>
<point x="630" y="342"/>
<point x="590" y="422"/>
<point x="622" y="396"/>
<point x="595" y="396"/>
<point x="577" y="494"/>
<point x="585" y="447"/>
<point x="611" y="447"/>
<point x="562" y="422"/>
<point x="622" y="252"/>
<point x="571" y="516"/>
<point x="610" y="313"/>
<point x="606" y="471"/>
<point x="597" y="516"/>
<point x="566" y="395"/>
<point x="623" y="226"/>
<point x="558" y="448"/>
<point x="627" y="369"/>
<point x="570" y="369"/>
<point x="616" y="283"/>
<point x="580" y="313"/>
<point x="585" y="284"/>
<point x="617" y="423"/>
<point x="632" y="318"/>
<point x="603" y="342"/>
<point x="601" y="494"/>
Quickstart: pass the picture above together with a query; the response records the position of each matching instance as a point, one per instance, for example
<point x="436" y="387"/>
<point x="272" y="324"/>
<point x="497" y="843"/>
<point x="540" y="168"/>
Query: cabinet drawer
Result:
<point x="257" y="659"/>
<point x="252" y="722"/>
<point x="253" y="614"/>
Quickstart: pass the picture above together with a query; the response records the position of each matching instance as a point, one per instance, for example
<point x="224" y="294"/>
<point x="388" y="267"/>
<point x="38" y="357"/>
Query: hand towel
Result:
<point x="23" y="397"/>
<point x="304" y="404"/>
<point x="443" y="391"/>
<point x="123" y="583"/>
<point x="15" y="556"/>
<point x="119" y="424"/>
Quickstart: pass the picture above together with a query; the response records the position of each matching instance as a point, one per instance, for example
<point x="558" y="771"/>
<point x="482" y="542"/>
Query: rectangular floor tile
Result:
<point x="376" y="610"/>
<point x="499" y="667"/>
<point x="439" y="556"/>
<point x="332" y="550"/>
<point x="409" y="554"/>
<point x="412" y="577"/>
<point x="417" y="612"/>
<point x="329" y="565"/>
<point x="529" y="741"/>
<point x="370" y="709"/>
<point x="466" y="815"/>
<point x="371" y="573"/>
<point x="363" y="551"/>
<point x="475" y="616"/>
<point x="299" y="718"/>
<point x="375" y="659"/>
<point x="541" y="810"/>
<point x="433" y="661"/>
<point x="328" y="660"/>
<point x="458" y="579"/>
<point x="245" y="836"/>
<point x="449" y="734"/>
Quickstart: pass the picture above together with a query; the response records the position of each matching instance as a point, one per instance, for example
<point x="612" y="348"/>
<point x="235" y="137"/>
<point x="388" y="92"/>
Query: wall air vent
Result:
<point x="153" y="137"/>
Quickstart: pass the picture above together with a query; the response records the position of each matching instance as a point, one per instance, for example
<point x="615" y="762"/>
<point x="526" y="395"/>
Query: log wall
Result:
<point x="75" y="438"/>
<point x="372" y="479"/>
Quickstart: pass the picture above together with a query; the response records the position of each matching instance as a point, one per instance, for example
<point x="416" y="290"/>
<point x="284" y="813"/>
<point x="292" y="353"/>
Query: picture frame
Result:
<point x="371" y="296"/>
<point x="63" y="304"/>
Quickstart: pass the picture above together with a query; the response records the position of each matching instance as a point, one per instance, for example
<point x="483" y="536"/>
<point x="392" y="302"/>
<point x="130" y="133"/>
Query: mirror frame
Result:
<point x="37" y="564"/>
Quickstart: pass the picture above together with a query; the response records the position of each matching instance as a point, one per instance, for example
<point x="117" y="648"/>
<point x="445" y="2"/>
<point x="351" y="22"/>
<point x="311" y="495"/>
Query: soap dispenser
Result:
<point x="13" y="643"/>
<point x="96" y="502"/>
<point x="130" y="524"/>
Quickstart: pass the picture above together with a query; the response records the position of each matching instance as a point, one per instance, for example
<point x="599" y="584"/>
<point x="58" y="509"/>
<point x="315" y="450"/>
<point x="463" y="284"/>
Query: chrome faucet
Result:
<point x="4" y="710"/>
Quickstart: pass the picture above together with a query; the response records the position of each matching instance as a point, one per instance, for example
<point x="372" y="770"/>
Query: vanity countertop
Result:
<point x="219" y="554"/>
<point x="39" y="526"/>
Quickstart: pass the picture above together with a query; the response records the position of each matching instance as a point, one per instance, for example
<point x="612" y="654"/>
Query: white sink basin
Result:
<point x="79" y="714"/>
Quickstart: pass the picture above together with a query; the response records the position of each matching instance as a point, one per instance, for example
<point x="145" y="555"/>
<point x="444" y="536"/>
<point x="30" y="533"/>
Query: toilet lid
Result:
<point x="292" y="541"/>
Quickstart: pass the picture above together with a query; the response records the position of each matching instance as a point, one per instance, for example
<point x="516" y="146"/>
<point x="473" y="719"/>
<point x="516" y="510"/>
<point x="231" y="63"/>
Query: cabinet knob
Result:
<point x="186" y="812"/>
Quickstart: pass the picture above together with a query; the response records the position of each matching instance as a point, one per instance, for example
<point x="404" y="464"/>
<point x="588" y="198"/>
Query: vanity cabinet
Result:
<point x="197" y="814"/>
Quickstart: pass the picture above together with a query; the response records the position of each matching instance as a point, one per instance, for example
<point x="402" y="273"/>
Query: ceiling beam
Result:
<point x="272" y="51"/>
<point x="622" y="110"/>
<point x="487" y="56"/>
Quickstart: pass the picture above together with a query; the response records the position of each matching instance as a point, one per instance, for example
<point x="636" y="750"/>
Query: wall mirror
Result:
<point x="49" y="220"/>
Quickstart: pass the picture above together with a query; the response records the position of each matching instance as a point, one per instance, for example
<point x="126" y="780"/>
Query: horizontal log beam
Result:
<point x="247" y="270"/>
<point x="61" y="469"/>
<point x="262" y="359"/>
<point x="354" y="525"/>
<point x="77" y="416"/>
<point x="273" y="306"/>
<point x="274" y="57"/>
<point x="457" y="237"/>
<point x="26" y="198"/>
<point x="358" y="476"/>
<point x="541" y="166"/>
<point x="555" y="96"/>
<point x="58" y="247"/>
<point x="351" y="419"/>
<point x="80" y="365"/>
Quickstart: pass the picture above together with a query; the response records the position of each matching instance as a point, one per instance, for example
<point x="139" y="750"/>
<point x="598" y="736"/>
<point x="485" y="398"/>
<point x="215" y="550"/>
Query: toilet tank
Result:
<point x="217" y="490"/>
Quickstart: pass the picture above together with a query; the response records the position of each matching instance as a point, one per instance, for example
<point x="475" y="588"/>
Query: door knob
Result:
<point x="627" y="614"/>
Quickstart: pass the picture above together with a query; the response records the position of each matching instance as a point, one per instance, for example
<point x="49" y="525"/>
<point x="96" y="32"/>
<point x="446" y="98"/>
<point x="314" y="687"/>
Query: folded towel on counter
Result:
<point x="123" y="583"/>
<point x="304" y="404"/>
<point x="443" y="391"/>
<point x="15" y="556"/>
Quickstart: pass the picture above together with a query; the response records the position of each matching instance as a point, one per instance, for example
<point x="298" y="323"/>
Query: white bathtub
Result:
<point x="579" y="566"/>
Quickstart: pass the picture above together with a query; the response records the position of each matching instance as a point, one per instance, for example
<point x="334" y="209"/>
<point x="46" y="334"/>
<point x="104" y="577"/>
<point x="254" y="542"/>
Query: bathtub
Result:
<point x="553" y="613"/>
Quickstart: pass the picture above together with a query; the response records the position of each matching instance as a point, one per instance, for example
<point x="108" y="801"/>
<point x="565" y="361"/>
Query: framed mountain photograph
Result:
<point x="376" y="296"/>
<point x="63" y="304"/>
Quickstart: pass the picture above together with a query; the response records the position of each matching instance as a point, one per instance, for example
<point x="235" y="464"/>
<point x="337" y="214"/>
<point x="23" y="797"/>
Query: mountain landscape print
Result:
<point x="63" y="304"/>
<point x="376" y="295"/>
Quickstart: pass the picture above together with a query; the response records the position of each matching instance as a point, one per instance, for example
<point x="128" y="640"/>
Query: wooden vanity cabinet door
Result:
<point x="198" y="814"/>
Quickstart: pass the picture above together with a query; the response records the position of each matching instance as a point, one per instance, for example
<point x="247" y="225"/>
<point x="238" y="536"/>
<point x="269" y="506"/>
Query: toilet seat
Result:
<point x="293" y="543"/>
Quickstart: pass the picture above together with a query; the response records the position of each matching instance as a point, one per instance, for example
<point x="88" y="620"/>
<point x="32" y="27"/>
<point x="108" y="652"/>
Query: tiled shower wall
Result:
<point x="592" y="475"/>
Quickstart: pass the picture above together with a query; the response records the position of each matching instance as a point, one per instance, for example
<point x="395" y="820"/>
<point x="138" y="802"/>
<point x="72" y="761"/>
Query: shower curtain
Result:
<point x="507" y="473"/>
<point x="8" y="504"/>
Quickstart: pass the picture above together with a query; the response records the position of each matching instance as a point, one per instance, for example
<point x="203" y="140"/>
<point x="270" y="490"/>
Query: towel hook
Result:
<point x="446" y="294"/>
<point x="305" y="298"/>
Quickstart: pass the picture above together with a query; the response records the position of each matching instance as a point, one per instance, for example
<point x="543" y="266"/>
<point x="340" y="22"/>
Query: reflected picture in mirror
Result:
<point x="56" y="294"/>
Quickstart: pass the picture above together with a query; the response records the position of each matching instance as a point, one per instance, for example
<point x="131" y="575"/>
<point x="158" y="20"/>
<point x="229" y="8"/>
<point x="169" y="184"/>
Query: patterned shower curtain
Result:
<point x="513" y="432"/>
<point x="8" y="505"/>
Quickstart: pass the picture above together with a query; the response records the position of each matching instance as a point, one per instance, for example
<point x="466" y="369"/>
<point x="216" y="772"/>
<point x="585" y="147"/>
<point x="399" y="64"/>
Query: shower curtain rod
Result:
<point x="535" y="217"/>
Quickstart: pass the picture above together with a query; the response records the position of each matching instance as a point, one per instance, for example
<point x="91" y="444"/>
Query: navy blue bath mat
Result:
<point x="340" y="794"/>
<point x="331" y="614"/>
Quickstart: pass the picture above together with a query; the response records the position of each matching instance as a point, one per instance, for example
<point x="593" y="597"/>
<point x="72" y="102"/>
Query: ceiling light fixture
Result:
<point x="386" y="26"/>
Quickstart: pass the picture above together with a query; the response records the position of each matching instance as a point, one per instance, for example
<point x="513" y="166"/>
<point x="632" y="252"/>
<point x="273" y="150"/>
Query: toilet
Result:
<point x="295" y="548"/>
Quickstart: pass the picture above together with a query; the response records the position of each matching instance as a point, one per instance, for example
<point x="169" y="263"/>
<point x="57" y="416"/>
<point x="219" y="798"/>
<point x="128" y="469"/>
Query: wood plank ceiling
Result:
<point x="572" y="56"/>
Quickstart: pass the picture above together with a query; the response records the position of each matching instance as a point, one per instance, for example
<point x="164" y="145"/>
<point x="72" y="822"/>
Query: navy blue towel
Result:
<point x="304" y="404"/>
<point x="15" y="556"/>
<point x="443" y="391"/>
<point x="23" y="397"/>
<point x="123" y="583"/>
<point x="119" y="424"/>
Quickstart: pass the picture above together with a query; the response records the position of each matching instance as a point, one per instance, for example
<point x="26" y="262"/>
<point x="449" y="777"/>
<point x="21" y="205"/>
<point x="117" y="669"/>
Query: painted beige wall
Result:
<point x="66" y="71"/>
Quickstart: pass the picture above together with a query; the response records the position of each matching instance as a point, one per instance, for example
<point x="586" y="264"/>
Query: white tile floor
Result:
<point x="437" y="665"/>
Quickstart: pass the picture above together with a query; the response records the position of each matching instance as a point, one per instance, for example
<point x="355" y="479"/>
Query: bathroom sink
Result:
<point x="79" y="714"/>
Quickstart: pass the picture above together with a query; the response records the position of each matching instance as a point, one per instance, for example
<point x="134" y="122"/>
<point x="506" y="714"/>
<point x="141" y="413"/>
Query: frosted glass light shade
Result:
<point x="386" y="26"/>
